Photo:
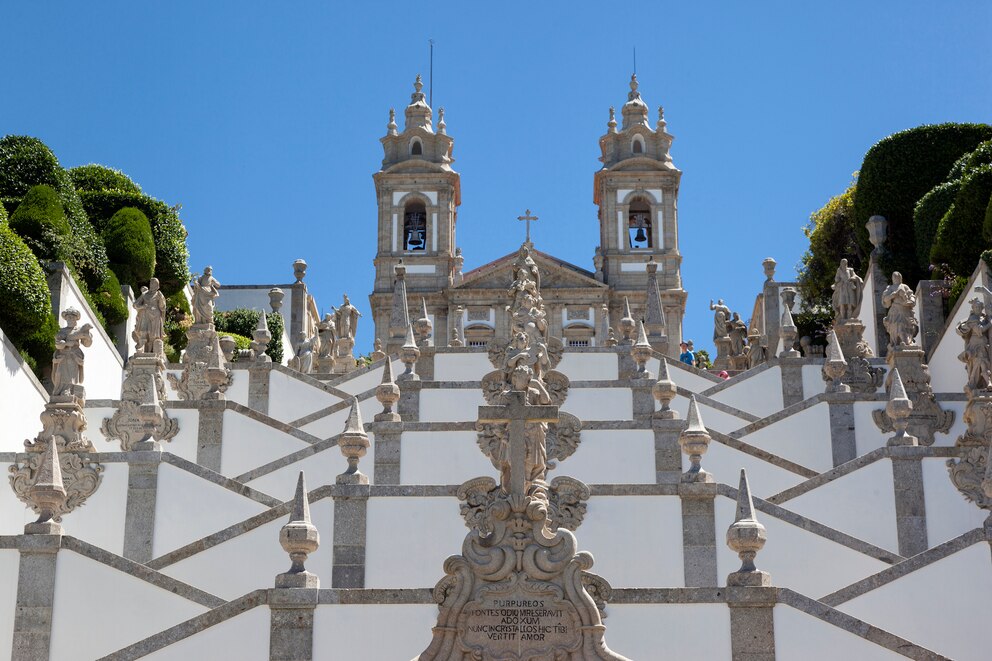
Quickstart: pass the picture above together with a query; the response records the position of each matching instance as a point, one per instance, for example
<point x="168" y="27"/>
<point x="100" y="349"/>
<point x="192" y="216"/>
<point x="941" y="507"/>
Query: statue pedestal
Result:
<point x="850" y="334"/>
<point x="344" y="361"/>
<point x="927" y="417"/>
<point x="722" y="360"/>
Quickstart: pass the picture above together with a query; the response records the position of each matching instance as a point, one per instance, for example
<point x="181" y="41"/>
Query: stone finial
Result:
<point x="457" y="324"/>
<point x="788" y="332"/>
<point x="299" y="538"/>
<point x="628" y="327"/>
<point x="746" y="536"/>
<point x="354" y="443"/>
<point x="409" y="354"/>
<point x="299" y="270"/>
<point x="664" y="391"/>
<point x="641" y="353"/>
<point x="423" y="325"/>
<point x="391" y="126"/>
<point x="47" y="494"/>
<point x="218" y="374"/>
<point x="227" y="347"/>
<point x="660" y="126"/>
<point x="261" y="337"/>
<point x="388" y="393"/>
<point x="768" y="265"/>
<point x="694" y="441"/>
<point x="878" y="228"/>
<point x="377" y="352"/>
<point x="899" y="408"/>
<point x="276" y="296"/>
<point x="441" y="126"/>
<point x="611" y="126"/>
<point x="835" y="366"/>
<point x="611" y="337"/>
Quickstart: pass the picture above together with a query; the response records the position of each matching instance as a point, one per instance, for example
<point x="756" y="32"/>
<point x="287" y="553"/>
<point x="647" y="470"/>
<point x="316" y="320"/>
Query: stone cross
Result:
<point x="517" y="412"/>
<point x="527" y="218"/>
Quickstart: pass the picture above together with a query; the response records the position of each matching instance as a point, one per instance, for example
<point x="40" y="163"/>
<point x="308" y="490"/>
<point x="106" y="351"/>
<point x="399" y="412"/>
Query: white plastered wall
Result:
<point x="608" y="456"/>
<point x="759" y="395"/>
<point x="100" y="520"/>
<point x="408" y="539"/>
<point x="717" y="420"/>
<point x="590" y="366"/>
<point x="803" y="437"/>
<point x="290" y="398"/>
<point x="947" y="373"/>
<point x="443" y="457"/>
<point x="244" y="637"/>
<point x="22" y="400"/>
<point x="948" y="513"/>
<point x="95" y="610"/>
<point x="725" y="464"/>
<point x="248" y="443"/>
<point x="460" y="366"/>
<point x="683" y="631"/>
<point x="936" y="606"/>
<point x="356" y="385"/>
<point x="333" y="424"/>
<point x="813" y="383"/>
<point x="822" y="567"/>
<point x="682" y="378"/>
<point x="356" y="632"/>
<point x="460" y="405"/>
<point x="599" y="403"/>
<point x="238" y="390"/>
<point x="867" y="313"/>
<point x="802" y="636"/>
<point x="320" y="469"/>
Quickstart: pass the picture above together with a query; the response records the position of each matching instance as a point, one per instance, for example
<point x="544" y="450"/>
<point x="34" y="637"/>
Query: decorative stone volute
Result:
<point x="628" y="326"/>
<point x="388" y="393"/>
<point x="664" y="391"/>
<point x="835" y="366"/>
<point x="299" y="538"/>
<point x="354" y="443"/>
<point x="641" y="353"/>
<point x="694" y="441"/>
<point x="746" y="536"/>
<point x="409" y="354"/>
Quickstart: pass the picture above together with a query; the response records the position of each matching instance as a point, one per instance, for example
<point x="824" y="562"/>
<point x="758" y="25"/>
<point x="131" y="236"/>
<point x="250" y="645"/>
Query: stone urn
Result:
<point x="299" y="270"/>
<point x="878" y="229"/>
<point x="768" y="264"/>
<point x="275" y="298"/>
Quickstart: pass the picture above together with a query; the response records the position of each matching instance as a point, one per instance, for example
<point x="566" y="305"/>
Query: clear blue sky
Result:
<point x="263" y="119"/>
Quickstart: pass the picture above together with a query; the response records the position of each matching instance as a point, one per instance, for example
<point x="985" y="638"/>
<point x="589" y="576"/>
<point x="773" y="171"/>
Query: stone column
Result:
<point x="425" y="364"/>
<point x="291" y="624"/>
<point x="643" y="399"/>
<point x="409" y="404"/>
<point x="350" y="511"/>
<point x="911" y="510"/>
<point x="842" y="438"/>
<point x="879" y="283"/>
<point x="752" y="626"/>
<point x="210" y="434"/>
<point x="258" y="387"/>
<point x="698" y="533"/>
<point x="386" y="469"/>
<point x="142" y="492"/>
<point x="667" y="454"/>
<point x="772" y="314"/>
<point x="298" y="310"/>
<point x="35" y="597"/>
<point x="792" y="380"/>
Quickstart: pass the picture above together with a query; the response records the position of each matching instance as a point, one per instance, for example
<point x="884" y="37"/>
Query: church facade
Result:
<point x="418" y="193"/>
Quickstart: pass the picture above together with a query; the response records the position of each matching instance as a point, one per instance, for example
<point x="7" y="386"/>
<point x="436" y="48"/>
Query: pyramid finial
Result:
<point x="301" y="502"/>
<point x="409" y="354"/>
<point x="641" y="353"/>
<point x="388" y="393"/>
<point x="299" y="538"/>
<point x="387" y="372"/>
<point x="353" y="443"/>
<point x="47" y="494"/>
<point x="746" y="536"/>
<point x="628" y="327"/>
<point x="354" y="424"/>
<point x="664" y="391"/>
<point x="835" y="366"/>
<point x="899" y="408"/>
<point x="694" y="441"/>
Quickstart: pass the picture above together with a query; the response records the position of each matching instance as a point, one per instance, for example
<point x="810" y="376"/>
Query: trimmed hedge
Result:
<point x="926" y="218"/>
<point x="981" y="156"/>
<point x="171" y="252"/>
<point x="243" y="321"/>
<point x="3" y="216"/>
<point x="130" y="247"/>
<point x="96" y="178"/>
<point x="25" y="301"/>
<point x="40" y="221"/>
<point x="831" y="237"/>
<point x="27" y="162"/>
<point x="961" y="237"/>
<point x="109" y="301"/>
<point x="900" y="169"/>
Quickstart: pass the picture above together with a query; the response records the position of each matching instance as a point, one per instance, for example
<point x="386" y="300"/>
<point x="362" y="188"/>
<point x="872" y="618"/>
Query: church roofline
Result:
<point x="495" y="265"/>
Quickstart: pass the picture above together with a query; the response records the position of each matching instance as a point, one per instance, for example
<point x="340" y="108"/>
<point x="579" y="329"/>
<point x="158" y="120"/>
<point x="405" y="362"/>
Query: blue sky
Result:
<point x="263" y="119"/>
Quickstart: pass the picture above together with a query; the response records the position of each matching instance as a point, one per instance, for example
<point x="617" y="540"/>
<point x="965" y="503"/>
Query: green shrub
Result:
<point x="130" y="246"/>
<point x="900" y="169"/>
<point x="40" y="221"/>
<point x="960" y="236"/>
<point x="244" y="321"/>
<point x="831" y="237"/>
<point x="957" y="170"/>
<point x="3" y="216"/>
<point x="95" y="177"/>
<point x="926" y="218"/>
<point x="240" y="342"/>
<point x="981" y="156"/>
<point x="171" y="252"/>
<point x="178" y="319"/>
<point x="109" y="300"/>
<point x="39" y="345"/>
<point x="25" y="302"/>
<point x="26" y="162"/>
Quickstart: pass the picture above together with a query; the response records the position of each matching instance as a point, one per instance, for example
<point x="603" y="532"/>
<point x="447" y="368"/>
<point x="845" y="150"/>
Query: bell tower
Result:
<point x="637" y="191"/>
<point x="417" y="194"/>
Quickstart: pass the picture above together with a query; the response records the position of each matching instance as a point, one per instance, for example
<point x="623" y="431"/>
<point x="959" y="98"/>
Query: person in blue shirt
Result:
<point x="687" y="356"/>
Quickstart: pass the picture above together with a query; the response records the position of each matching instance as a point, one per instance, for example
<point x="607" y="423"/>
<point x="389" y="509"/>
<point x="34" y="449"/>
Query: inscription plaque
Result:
<point x="519" y="624"/>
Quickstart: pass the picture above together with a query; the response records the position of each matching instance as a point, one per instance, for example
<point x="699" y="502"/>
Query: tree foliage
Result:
<point x="831" y="238"/>
<point x="130" y="247"/>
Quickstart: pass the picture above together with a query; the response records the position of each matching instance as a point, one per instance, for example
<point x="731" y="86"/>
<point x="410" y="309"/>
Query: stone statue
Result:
<point x="976" y="356"/>
<point x="720" y="316"/>
<point x="737" y="330"/>
<point x="302" y="361"/>
<point x="848" y="287"/>
<point x="205" y="290"/>
<point x="327" y="331"/>
<point x="149" y="323"/>
<point x="67" y="362"/>
<point x="900" y="322"/>
<point x="346" y="319"/>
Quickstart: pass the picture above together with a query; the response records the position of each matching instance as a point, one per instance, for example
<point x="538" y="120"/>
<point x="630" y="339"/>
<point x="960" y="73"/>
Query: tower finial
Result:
<point x="418" y="84"/>
<point x="391" y="126"/>
<point x="441" y="126"/>
<point x="612" y="124"/>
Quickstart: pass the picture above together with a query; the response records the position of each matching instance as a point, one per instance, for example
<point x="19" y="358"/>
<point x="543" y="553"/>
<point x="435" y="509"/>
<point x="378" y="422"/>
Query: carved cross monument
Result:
<point x="518" y="414"/>
<point x="527" y="218"/>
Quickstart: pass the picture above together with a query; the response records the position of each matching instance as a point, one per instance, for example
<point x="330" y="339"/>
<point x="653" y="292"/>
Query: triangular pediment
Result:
<point x="555" y="274"/>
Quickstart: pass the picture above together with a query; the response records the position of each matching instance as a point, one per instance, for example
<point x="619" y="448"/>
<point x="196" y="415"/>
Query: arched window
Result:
<point x="639" y="224"/>
<point x="638" y="145"/>
<point x="415" y="227"/>
<point x="416" y="148"/>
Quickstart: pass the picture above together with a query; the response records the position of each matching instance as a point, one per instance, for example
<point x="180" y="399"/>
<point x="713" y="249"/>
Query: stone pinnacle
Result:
<point x="301" y="502"/>
<point x="354" y="424"/>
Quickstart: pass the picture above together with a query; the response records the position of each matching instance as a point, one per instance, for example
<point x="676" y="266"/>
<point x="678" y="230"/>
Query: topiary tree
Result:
<point x="26" y="162"/>
<point x="899" y="170"/>
<point x="109" y="301"/>
<point x="3" y="216"/>
<point x="98" y="178"/>
<point x="981" y="156"/>
<point x="25" y="301"/>
<point x="961" y="238"/>
<point x="831" y="238"/>
<point x="130" y="246"/>
<point x="40" y="221"/>
<point x="926" y="218"/>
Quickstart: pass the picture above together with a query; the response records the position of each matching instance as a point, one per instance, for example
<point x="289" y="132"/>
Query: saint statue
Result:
<point x="848" y="287"/>
<point x="67" y="362"/>
<point x="976" y="357"/>
<point x="205" y="290"/>
<point x="900" y="322"/>
<point x="737" y="330"/>
<point x="149" y="324"/>
<point x="328" y="333"/>
<point x="346" y="320"/>
<point x="302" y="360"/>
<point x="720" y="316"/>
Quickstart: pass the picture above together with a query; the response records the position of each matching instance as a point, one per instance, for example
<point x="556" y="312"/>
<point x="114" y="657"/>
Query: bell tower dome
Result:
<point x="417" y="195"/>
<point x="637" y="191"/>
